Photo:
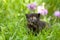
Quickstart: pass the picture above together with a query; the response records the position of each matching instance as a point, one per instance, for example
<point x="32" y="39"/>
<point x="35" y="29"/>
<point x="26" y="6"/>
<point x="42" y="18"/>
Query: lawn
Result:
<point x="13" y="24"/>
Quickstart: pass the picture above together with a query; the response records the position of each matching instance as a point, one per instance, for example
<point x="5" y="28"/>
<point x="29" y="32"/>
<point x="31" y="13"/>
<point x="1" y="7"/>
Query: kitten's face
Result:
<point x="32" y="18"/>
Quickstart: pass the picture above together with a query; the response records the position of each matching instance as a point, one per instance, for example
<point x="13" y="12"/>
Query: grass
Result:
<point x="13" y="22"/>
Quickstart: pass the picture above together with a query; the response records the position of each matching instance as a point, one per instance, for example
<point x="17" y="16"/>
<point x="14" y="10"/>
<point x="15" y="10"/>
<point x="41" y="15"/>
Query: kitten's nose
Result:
<point x="34" y="21"/>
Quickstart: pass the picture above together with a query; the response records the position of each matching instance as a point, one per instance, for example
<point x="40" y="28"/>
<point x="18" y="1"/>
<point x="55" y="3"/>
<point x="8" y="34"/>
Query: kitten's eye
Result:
<point x="31" y="18"/>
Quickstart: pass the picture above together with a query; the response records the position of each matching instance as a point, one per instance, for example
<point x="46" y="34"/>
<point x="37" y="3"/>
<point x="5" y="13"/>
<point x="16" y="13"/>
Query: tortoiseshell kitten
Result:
<point x="34" y="23"/>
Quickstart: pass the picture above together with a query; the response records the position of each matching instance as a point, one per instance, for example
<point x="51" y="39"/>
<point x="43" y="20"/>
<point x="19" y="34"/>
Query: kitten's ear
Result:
<point x="38" y="15"/>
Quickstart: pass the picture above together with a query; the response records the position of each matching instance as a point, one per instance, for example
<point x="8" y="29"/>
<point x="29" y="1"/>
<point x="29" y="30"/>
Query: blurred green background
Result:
<point x="13" y="21"/>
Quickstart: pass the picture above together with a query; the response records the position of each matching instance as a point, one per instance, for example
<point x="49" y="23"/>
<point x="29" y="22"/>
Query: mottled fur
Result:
<point x="34" y="23"/>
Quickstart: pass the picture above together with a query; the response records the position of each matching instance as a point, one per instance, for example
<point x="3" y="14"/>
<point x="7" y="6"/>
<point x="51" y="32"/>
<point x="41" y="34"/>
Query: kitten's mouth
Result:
<point x="33" y="23"/>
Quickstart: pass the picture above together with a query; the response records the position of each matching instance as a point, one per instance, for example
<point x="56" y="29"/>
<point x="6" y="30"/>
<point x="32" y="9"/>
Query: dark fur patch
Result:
<point x="34" y="23"/>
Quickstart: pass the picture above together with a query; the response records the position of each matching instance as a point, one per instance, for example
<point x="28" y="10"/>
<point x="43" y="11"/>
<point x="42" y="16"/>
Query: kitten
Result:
<point x="34" y="23"/>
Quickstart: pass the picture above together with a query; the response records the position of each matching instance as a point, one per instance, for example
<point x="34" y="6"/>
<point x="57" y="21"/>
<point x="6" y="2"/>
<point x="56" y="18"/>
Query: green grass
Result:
<point x="13" y="21"/>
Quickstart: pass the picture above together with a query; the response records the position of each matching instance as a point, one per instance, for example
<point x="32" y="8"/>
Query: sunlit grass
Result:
<point x="13" y="21"/>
